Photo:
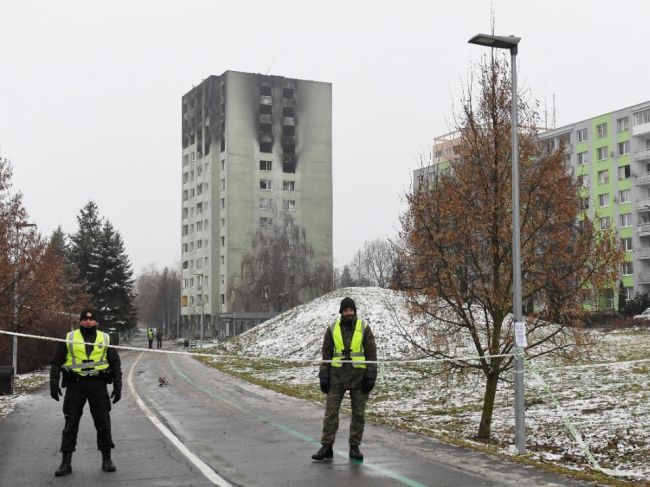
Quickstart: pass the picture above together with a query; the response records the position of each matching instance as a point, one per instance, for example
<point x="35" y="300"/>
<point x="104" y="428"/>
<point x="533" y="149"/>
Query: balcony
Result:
<point x="643" y="278"/>
<point x="643" y="229"/>
<point x="642" y="253"/>
<point x="289" y="121"/>
<point x="265" y="118"/>
<point x="642" y="180"/>
<point x="642" y="205"/>
<point x="641" y="155"/>
<point x="289" y="102"/>
<point x="641" y="129"/>
<point x="266" y="100"/>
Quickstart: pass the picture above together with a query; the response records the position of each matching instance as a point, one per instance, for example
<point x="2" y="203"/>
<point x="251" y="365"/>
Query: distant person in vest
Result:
<point x="159" y="337"/>
<point x="348" y="338"/>
<point x="86" y="371"/>
<point x="150" y="336"/>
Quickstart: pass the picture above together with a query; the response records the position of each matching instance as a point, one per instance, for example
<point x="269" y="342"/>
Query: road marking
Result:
<point x="296" y="434"/>
<point x="204" y="468"/>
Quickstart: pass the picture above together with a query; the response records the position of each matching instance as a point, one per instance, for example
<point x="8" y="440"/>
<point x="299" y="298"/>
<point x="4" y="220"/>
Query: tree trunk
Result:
<point x="488" y="406"/>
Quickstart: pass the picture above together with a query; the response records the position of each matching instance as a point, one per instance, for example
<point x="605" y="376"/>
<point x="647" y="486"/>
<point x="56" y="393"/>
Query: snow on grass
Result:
<point x="609" y="405"/>
<point x="25" y="383"/>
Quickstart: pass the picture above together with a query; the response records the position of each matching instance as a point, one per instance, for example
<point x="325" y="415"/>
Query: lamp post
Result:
<point x="511" y="43"/>
<point x="199" y="287"/>
<point x="14" y="350"/>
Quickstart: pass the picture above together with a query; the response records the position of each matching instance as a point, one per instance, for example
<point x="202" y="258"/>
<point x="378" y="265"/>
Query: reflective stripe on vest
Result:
<point x="356" y="352"/>
<point x="78" y="362"/>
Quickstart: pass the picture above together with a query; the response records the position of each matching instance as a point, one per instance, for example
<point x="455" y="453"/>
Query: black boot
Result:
<point x="66" y="465"/>
<point x="355" y="453"/>
<point x="324" y="453"/>
<point x="107" y="463"/>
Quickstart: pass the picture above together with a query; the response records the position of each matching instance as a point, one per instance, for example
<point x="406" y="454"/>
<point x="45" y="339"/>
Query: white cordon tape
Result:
<point x="225" y="356"/>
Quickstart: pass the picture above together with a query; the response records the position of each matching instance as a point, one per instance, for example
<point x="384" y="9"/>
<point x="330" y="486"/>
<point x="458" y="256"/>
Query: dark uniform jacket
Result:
<point x="348" y="376"/>
<point x="114" y="373"/>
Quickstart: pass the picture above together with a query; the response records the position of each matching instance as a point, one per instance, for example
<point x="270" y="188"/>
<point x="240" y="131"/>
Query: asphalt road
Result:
<point x="246" y="434"/>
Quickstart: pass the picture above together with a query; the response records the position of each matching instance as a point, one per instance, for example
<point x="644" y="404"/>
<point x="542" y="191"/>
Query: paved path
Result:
<point x="248" y="435"/>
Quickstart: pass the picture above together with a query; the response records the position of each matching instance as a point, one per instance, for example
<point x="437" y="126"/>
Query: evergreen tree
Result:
<point x="111" y="281"/>
<point x="346" y="278"/>
<point x="82" y="251"/>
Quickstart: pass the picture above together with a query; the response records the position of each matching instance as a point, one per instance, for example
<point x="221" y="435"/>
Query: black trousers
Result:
<point x="94" y="390"/>
<point x="150" y="342"/>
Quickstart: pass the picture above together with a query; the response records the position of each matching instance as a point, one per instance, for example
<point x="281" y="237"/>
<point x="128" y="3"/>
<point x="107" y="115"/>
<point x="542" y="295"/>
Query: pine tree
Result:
<point x="82" y="251"/>
<point x="111" y="281"/>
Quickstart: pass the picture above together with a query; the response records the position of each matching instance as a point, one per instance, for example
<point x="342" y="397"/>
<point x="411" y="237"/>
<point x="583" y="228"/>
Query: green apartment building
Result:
<point x="255" y="148"/>
<point x="610" y="156"/>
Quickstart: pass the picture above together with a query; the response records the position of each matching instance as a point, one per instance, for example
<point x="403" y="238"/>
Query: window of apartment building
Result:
<point x="223" y="165"/>
<point x="601" y="130"/>
<point x="584" y="202"/>
<point x="289" y="205"/>
<point x="626" y="244"/>
<point x="223" y="298"/>
<point x="199" y="170"/>
<point x="582" y="157"/>
<point x="628" y="293"/>
<point x="199" y="189"/>
<point x="223" y="203"/>
<point x="628" y="268"/>
<point x="192" y="193"/>
<point x="602" y="153"/>
<point x="223" y="184"/>
<point x="191" y="175"/>
<point x="642" y="117"/>
<point x="604" y="222"/>
<point x="266" y="184"/>
<point x="625" y="220"/>
<point x="266" y="109"/>
<point x="199" y="208"/>
<point x="185" y="247"/>
<point x="185" y="177"/>
<point x="266" y="221"/>
<point x="265" y="90"/>
<point x="624" y="172"/>
<point x="583" y="181"/>
<point x="185" y="283"/>
<point x="199" y="226"/>
<point x="623" y="148"/>
<point x="191" y="246"/>
<point x="288" y="185"/>
<point x="185" y="195"/>
<point x="199" y="244"/>
<point x="603" y="200"/>
<point x="223" y="241"/>
<point x="622" y="124"/>
<point x="206" y="168"/>
<point x="287" y="92"/>
<point x="264" y="203"/>
<point x="191" y="227"/>
<point x="624" y="196"/>
<point x="191" y="156"/>
<point x="266" y="165"/>
<point x="288" y="111"/>
<point x="223" y="260"/>
<point x="603" y="176"/>
<point x="266" y="147"/>
<point x="185" y="264"/>
<point x="185" y="230"/>
<point x="223" y="279"/>
<point x="223" y="222"/>
<point x="582" y="135"/>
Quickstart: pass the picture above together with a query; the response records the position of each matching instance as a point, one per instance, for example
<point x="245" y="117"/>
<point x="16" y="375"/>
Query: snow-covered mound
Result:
<point x="298" y="333"/>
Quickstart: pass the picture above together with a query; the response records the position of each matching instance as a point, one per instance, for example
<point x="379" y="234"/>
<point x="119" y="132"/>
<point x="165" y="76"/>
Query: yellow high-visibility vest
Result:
<point x="357" y="354"/>
<point x="78" y="362"/>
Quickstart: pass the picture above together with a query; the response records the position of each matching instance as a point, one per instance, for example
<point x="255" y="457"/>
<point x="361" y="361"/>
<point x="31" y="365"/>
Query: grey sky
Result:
<point x="90" y="92"/>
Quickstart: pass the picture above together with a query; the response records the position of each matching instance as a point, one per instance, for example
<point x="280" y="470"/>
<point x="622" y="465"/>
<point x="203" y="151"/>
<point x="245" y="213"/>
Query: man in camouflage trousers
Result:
<point x="348" y="339"/>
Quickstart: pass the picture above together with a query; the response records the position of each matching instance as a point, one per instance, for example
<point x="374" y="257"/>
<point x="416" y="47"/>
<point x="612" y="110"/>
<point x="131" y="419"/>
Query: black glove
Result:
<point x="325" y="385"/>
<point x="117" y="392"/>
<point x="367" y="385"/>
<point x="55" y="391"/>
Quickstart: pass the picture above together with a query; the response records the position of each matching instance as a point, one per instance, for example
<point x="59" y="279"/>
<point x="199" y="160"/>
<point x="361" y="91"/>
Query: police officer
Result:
<point x="159" y="338"/>
<point x="349" y="338"/>
<point x="88" y="364"/>
<point x="150" y="336"/>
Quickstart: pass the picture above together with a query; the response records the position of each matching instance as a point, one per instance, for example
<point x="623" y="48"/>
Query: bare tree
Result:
<point x="457" y="254"/>
<point x="280" y="272"/>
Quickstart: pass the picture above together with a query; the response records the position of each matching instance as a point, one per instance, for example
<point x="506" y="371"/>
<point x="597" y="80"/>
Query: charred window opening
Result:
<point x="287" y="92"/>
<point x="289" y="149"/>
<point x="266" y="146"/>
<point x="289" y="130"/>
<point x="288" y="112"/>
<point x="266" y="109"/>
<point x="266" y="128"/>
<point x="265" y="90"/>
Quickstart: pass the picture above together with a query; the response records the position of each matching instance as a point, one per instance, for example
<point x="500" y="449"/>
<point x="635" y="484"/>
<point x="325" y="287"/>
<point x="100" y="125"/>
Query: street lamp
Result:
<point x="510" y="43"/>
<point x="199" y="287"/>
<point x="14" y="350"/>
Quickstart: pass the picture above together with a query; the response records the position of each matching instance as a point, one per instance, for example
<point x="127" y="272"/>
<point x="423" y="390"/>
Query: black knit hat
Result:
<point x="347" y="303"/>
<point x="87" y="313"/>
